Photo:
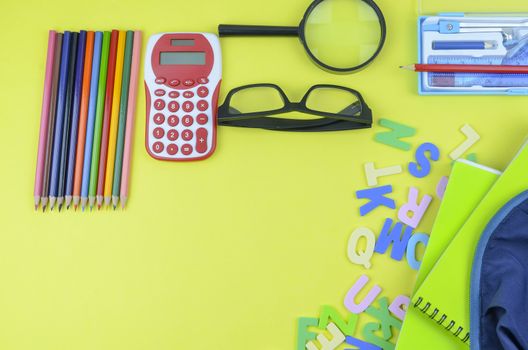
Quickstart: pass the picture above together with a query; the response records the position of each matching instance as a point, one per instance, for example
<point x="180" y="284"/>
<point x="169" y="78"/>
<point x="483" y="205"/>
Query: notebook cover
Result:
<point x="443" y="297"/>
<point x="468" y="184"/>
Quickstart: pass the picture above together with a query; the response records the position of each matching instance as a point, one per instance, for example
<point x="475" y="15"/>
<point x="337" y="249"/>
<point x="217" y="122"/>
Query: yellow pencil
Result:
<point x="114" y="119"/>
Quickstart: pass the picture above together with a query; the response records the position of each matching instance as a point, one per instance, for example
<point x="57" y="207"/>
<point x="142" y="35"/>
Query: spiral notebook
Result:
<point x="468" y="184"/>
<point x="444" y="295"/>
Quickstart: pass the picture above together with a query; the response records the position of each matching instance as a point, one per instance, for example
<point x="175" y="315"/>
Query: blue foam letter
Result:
<point x="388" y="236"/>
<point x="422" y="167"/>
<point x="376" y="195"/>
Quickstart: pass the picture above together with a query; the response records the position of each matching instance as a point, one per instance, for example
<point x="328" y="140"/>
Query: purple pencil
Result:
<point x="44" y="117"/>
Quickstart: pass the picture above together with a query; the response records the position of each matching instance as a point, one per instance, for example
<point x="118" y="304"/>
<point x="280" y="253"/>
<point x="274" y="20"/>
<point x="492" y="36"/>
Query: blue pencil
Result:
<point x="96" y="62"/>
<point x="77" y="90"/>
<point x="67" y="120"/>
<point x="59" y="119"/>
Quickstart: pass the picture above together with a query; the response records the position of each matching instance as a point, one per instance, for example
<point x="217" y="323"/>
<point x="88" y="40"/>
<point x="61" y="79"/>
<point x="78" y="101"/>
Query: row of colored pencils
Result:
<point x="87" y="119"/>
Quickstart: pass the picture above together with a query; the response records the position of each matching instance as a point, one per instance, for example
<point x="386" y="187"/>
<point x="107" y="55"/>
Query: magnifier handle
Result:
<point x="233" y="29"/>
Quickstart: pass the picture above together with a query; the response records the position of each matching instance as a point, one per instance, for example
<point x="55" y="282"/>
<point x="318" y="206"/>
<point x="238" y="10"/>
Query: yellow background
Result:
<point x="226" y="253"/>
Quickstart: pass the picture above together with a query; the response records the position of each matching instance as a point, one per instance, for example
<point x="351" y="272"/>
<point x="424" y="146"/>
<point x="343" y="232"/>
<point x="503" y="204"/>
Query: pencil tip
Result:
<point x="60" y="207"/>
<point x="36" y="207"/>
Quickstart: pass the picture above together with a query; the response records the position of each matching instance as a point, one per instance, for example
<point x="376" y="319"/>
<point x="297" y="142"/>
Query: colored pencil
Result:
<point x="67" y="121"/>
<point x="114" y="119"/>
<point x="44" y="117"/>
<point x="51" y="122"/>
<point x="103" y="154"/>
<point x="131" y="111"/>
<point x="467" y="68"/>
<point x="90" y="122"/>
<point x="77" y="91"/>
<point x="96" y="146"/>
<point x="83" y="116"/>
<point x="59" y="119"/>
<point x="120" y="143"/>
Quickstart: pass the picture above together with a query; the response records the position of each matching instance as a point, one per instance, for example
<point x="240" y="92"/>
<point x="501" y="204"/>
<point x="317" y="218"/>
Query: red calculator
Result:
<point x="183" y="72"/>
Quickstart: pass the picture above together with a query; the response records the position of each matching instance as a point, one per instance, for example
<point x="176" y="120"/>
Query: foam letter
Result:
<point x="441" y="187"/>
<point x="361" y="257"/>
<point x="368" y="334"/>
<point x="360" y="344"/>
<point x="377" y="197"/>
<point x="397" y="306"/>
<point x="303" y="335"/>
<point x="471" y="138"/>
<point x="329" y="313"/>
<point x="351" y="305"/>
<point x="386" y="319"/>
<point x="373" y="174"/>
<point x="411" y="249"/>
<point x="328" y="344"/>
<point x="388" y="236"/>
<point x="392" y="138"/>
<point x="422" y="167"/>
<point x="412" y="206"/>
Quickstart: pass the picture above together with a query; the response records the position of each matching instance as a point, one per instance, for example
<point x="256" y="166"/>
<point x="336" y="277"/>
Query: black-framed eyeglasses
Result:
<point x="323" y="108"/>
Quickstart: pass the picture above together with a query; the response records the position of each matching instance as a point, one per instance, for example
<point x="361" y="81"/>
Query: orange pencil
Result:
<point x="85" y="97"/>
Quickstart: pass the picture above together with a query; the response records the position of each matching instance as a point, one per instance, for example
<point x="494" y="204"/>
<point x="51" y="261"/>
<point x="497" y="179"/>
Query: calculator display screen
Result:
<point x="182" y="42"/>
<point x="174" y="58"/>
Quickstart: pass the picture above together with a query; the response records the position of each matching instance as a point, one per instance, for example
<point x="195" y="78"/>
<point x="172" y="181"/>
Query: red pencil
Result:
<point x="467" y="68"/>
<point x="106" y="116"/>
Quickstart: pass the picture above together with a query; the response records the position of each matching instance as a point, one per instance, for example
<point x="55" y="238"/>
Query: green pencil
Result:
<point x="116" y="186"/>
<point x="96" y="148"/>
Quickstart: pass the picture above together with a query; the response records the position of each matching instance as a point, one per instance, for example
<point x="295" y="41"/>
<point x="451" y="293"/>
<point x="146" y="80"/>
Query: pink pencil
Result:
<point x="44" y="117"/>
<point x="131" y="111"/>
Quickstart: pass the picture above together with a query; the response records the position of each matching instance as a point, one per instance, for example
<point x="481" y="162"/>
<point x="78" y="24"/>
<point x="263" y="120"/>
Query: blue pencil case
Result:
<point x="458" y="38"/>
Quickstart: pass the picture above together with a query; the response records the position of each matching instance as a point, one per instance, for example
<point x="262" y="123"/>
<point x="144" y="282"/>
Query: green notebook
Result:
<point x="443" y="297"/>
<point x="468" y="184"/>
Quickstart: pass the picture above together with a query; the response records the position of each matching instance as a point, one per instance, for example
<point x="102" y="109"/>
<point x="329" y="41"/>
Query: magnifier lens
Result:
<point x="342" y="33"/>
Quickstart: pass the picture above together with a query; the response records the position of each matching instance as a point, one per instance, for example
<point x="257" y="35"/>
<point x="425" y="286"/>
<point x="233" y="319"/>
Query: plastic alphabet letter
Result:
<point x="394" y="236"/>
<point x="412" y="206"/>
<point x="376" y="195"/>
<point x="392" y="138"/>
<point x="411" y="249"/>
<point x="368" y="334"/>
<point x="361" y="257"/>
<point x="329" y="313"/>
<point x="441" y="187"/>
<point x="373" y="174"/>
<point x="350" y="303"/>
<point x="303" y="335"/>
<point x="396" y="307"/>
<point x="422" y="167"/>
<point x="360" y="344"/>
<point x="471" y="138"/>
<point x="328" y="344"/>
<point x="386" y="319"/>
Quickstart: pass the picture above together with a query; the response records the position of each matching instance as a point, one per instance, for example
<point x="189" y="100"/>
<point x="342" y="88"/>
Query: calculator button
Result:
<point x="159" y="92"/>
<point x="188" y="94"/>
<point x="202" y="105"/>
<point x="188" y="106"/>
<point x="201" y="140"/>
<point x="172" y="135"/>
<point x="159" y="104"/>
<point x="174" y="82"/>
<point x="173" y="120"/>
<point x="188" y="82"/>
<point x="187" y="120"/>
<point x="203" y="80"/>
<point x="159" y="133"/>
<point x="174" y="94"/>
<point x="158" y="147"/>
<point x="186" y="149"/>
<point x="202" y="118"/>
<point x="187" y="135"/>
<point x="174" y="106"/>
<point x="203" y="91"/>
<point x="160" y="80"/>
<point x="172" y="149"/>
<point x="159" y="118"/>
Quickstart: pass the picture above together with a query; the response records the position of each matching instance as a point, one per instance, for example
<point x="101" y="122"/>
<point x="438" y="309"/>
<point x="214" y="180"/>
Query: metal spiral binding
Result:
<point x="449" y="327"/>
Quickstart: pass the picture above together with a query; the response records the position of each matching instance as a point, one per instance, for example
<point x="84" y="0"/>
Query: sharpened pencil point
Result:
<point x="36" y="207"/>
<point x="75" y="207"/>
<point x="43" y="208"/>
<point x="60" y="207"/>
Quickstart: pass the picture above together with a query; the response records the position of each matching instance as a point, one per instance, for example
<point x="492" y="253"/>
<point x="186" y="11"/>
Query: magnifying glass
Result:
<point x="339" y="35"/>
